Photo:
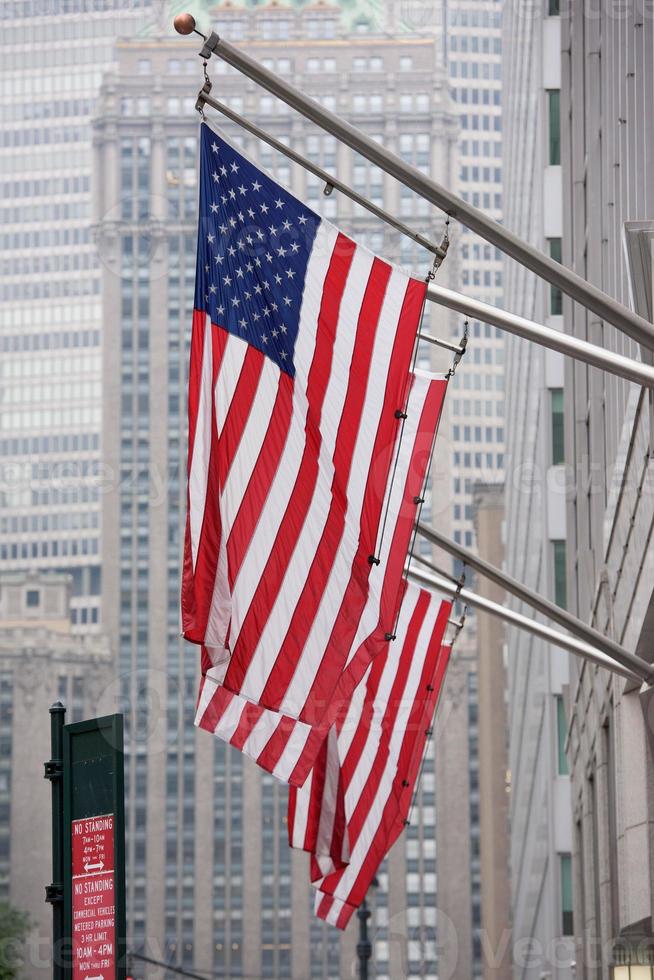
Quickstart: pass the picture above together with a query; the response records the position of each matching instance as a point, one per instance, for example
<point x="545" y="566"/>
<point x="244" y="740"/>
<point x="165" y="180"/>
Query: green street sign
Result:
<point x="94" y="849"/>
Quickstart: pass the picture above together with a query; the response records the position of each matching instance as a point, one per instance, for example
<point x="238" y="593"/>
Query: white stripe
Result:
<point x="229" y="720"/>
<point x="203" y="703"/>
<point x="252" y="438"/>
<point x="408" y="695"/>
<point x="369" y="620"/>
<point x="292" y="752"/>
<point x="279" y="620"/>
<point x="328" y="806"/>
<point x="275" y="505"/>
<point x="227" y="381"/>
<point x="199" y="470"/>
<point x="339" y="577"/>
<point x="299" y="828"/>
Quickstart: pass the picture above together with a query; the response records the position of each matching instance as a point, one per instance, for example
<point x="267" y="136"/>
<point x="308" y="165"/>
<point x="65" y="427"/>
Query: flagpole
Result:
<point x="436" y="581"/>
<point x="633" y="663"/>
<point x="581" y="350"/>
<point x="364" y="946"/>
<point x="549" y="269"/>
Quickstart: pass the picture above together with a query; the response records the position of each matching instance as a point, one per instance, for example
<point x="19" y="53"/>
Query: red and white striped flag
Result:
<point x="300" y="356"/>
<point x="280" y="744"/>
<point x="354" y="806"/>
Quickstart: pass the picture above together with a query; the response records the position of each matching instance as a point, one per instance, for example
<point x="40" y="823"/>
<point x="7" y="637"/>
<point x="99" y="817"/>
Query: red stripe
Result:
<point x="250" y="715"/>
<point x="194" y="386"/>
<point x="290" y="652"/>
<point x="405" y="664"/>
<point x="282" y="548"/>
<point x="216" y="708"/>
<point x="262" y="477"/>
<point x="239" y="409"/>
<point x="396" y="806"/>
<point x="355" y="595"/>
<point x="376" y="645"/>
<point x="209" y="544"/>
<point x="272" y="752"/>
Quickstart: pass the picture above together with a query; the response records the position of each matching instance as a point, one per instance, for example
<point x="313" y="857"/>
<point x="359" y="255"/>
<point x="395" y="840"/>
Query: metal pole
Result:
<point x="570" y="643"/>
<point x="561" y="616"/>
<point x="54" y="893"/>
<point x="333" y="182"/>
<point x="364" y="947"/>
<point x="581" y="350"/>
<point x="569" y="282"/>
<point x="599" y="357"/>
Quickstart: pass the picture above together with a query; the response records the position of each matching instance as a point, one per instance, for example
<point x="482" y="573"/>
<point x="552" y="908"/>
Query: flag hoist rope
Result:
<point x="549" y="269"/>
<point x="581" y="350"/>
<point x="634" y="664"/>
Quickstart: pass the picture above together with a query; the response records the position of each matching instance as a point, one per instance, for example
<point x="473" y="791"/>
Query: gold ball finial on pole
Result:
<point x="184" y="23"/>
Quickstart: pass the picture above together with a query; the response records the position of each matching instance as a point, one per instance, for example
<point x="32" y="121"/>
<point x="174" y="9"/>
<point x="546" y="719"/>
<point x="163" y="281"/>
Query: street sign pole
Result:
<point x="94" y="849"/>
<point x="54" y="892"/>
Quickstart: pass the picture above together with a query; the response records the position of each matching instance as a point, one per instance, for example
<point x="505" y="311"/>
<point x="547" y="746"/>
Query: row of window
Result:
<point x="40" y="264"/>
<point x="47" y="187"/>
<point x="476" y="96"/>
<point x="71" y="211"/>
<point x="80" y="442"/>
<point x="483" y="147"/>
<point x="464" y="406"/>
<point x="43" y="289"/>
<point x="59" y="340"/>
<point x="486" y="70"/>
<point x="45" y="238"/>
<point x="63" y="521"/>
<point x="49" y="549"/>
<point x="42" y="136"/>
<point x="478" y="433"/>
<point x="479" y="461"/>
<point x="46" y="109"/>
<point x="477" y="45"/>
<point x="475" y="121"/>
<point x="477" y="277"/>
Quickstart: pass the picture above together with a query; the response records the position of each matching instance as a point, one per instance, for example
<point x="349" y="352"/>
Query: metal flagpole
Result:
<point x="552" y="271"/>
<point x="581" y="350"/>
<point x="561" y="616"/>
<point x="570" y="643"/>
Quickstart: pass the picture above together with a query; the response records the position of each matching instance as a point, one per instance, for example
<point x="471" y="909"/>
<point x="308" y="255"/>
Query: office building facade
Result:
<point x="51" y="64"/>
<point x="541" y="826"/>
<point x="607" y="140"/>
<point x="41" y="661"/>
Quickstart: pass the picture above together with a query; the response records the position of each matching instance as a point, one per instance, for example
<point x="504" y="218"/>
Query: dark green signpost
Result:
<point x="88" y="824"/>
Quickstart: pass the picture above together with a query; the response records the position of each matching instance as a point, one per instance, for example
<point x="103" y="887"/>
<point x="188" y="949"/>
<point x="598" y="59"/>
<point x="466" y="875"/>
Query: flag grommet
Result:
<point x="373" y="560"/>
<point x="399" y="414"/>
<point x="389" y="636"/>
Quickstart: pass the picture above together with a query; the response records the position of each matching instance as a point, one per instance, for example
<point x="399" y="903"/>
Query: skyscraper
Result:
<point x="212" y="883"/>
<point x="50" y="322"/>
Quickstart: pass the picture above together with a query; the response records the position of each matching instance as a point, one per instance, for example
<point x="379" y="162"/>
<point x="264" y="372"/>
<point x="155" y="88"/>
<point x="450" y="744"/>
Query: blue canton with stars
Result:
<point x="254" y="242"/>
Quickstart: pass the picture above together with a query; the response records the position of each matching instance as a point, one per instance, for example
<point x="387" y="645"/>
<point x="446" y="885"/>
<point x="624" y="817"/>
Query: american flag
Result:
<point x="300" y="353"/>
<point x="357" y="799"/>
<point x="278" y="743"/>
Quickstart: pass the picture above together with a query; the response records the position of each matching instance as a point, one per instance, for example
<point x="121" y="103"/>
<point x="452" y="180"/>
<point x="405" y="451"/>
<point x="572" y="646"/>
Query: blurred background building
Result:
<point x="41" y="661"/>
<point x="608" y="209"/>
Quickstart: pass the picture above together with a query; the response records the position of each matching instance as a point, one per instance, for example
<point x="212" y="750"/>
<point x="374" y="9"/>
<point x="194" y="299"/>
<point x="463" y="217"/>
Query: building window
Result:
<point x="566" y="894"/>
<point x="33" y="598"/>
<point x="560" y="584"/>
<point x="556" y="296"/>
<point x="554" y="8"/>
<point x="554" y="125"/>
<point x="556" y="396"/>
<point x="561" y="733"/>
